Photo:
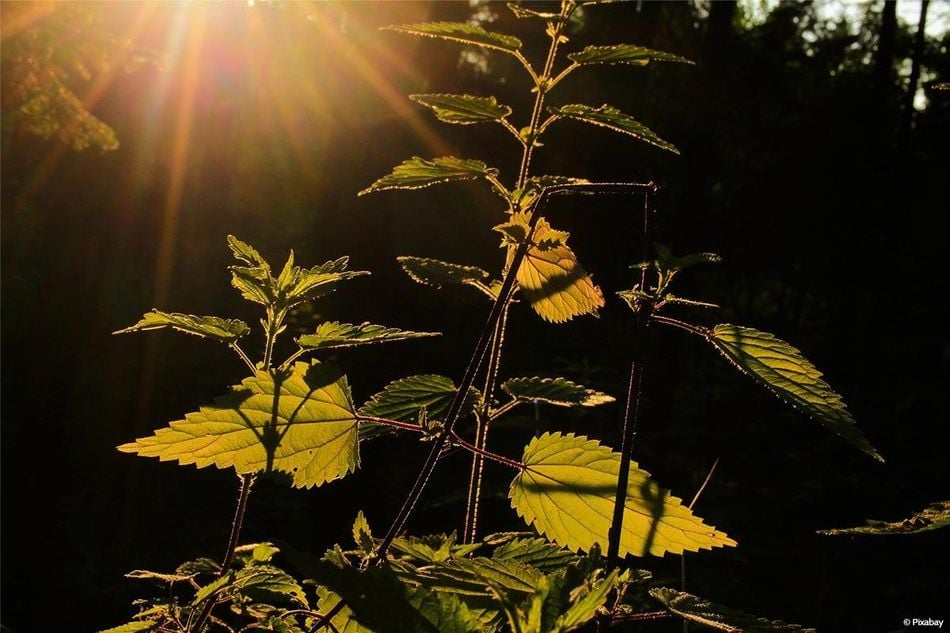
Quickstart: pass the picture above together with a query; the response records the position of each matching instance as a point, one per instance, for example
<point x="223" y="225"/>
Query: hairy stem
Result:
<point x="481" y="429"/>
<point x="245" y="491"/>
<point x="243" y="357"/>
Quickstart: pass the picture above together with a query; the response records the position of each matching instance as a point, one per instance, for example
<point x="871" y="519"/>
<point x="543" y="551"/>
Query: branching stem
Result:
<point x="244" y="357"/>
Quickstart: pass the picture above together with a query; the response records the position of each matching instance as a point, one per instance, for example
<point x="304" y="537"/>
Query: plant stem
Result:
<point x="244" y="357"/>
<point x="487" y="454"/>
<point x="542" y="84"/>
<point x="632" y="409"/>
<point x="681" y="325"/>
<point x="481" y="429"/>
<point x="246" y="482"/>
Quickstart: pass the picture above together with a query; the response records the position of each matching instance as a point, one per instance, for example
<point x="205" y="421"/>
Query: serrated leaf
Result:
<point x="299" y="422"/>
<point x="247" y="253"/>
<point x="333" y="335"/>
<point x="584" y="609"/>
<point x="133" y="627"/>
<point x="468" y="576"/>
<point x="556" y="285"/>
<point x="785" y="372"/>
<point x="524" y="196"/>
<point x="463" y="109"/>
<point x="694" y="609"/>
<point x="144" y="574"/>
<point x="567" y="493"/>
<point x="557" y="391"/>
<point x="933" y="517"/>
<point x="446" y="612"/>
<point x="623" y="54"/>
<point x="417" y="173"/>
<point x="436" y="273"/>
<point x="612" y="119"/>
<point x="224" y="330"/>
<point x="375" y="599"/>
<point x="404" y="399"/>
<point x="462" y="32"/>
<point x="305" y="284"/>
<point x="269" y="585"/>
<point x="362" y="535"/>
<point x="433" y="548"/>
<point x="524" y="12"/>
<point x="212" y="588"/>
<point x="538" y="553"/>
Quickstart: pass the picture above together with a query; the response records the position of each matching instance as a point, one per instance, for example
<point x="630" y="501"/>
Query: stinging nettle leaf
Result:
<point x="461" y="32"/>
<point x="333" y="335"/>
<point x="933" y="517"/>
<point x="567" y="490"/>
<point x="556" y="285"/>
<point x="299" y="422"/>
<point x="557" y="391"/>
<point x="418" y="173"/>
<point x="695" y="609"/>
<point x="523" y="12"/>
<point x="134" y="627"/>
<point x="246" y="253"/>
<point x="783" y="370"/>
<point x="612" y="119"/>
<point x="623" y="54"/>
<point x="404" y="399"/>
<point x="224" y="330"/>
<point x="463" y="109"/>
<point x="436" y="273"/>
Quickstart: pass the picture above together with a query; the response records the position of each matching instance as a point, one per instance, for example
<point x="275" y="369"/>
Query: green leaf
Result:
<point x="224" y="330"/>
<point x="247" y="253"/>
<point x="446" y="612"/>
<point x="933" y="517"/>
<point x="133" y="627"/>
<point x="212" y="588"/>
<point x="433" y="548"/>
<point x="538" y="553"/>
<point x="612" y="119"/>
<point x="436" y="273"/>
<point x="304" y="284"/>
<point x="557" y="391"/>
<point x="784" y="371"/>
<point x="469" y="575"/>
<point x="269" y="585"/>
<point x="299" y="422"/>
<point x="523" y="12"/>
<point x="623" y="54"/>
<point x="417" y="173"/>
<point x="405" y="399"/>
<point x="144" y="574"/>
<point x="362" y="534"/>
<point x="463" y="109"/>
<point x="461" y="32"/>
<point x="694" y="609"/>
<point x="584" y="609"/>
<point x="567" y="492"/>
<point x="556" y="285"/>
<point x="343" y="621"/>
<point x="333" y="335"/>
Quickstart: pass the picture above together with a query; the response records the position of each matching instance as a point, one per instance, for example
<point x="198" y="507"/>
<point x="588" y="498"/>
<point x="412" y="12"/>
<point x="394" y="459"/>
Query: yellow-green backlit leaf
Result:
<point x="224" y="330"/>
<point x="405" y="400"/>
<point x="612" y="119"/>
<point x="933" y="517"/>
<point x="333" y="335"/>
<point x="556" y="286"/>
<point x="695" y="609"/>
<point x="301" y="422"/>
<point x="567" y="493"/>
<point x="785" y="372"/>
<point x="463" y="33"/>
<point x="463" y="109"/>
<point x="417" y="173"/>
<point x="623" y="54"/>
<point x="134" y="627"/>
<point x="557" y="391"/>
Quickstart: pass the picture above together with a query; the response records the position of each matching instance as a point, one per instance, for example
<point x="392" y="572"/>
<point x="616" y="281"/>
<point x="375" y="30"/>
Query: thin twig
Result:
<point x="495" y="457"/>
<point x="682" y="325"/>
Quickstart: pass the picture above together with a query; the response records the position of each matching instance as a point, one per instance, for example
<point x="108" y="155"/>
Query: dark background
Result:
<point x="798" y="166"/>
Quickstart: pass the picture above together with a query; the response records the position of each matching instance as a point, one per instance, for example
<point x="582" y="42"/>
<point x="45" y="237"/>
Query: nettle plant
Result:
<point x="591" y="506"/>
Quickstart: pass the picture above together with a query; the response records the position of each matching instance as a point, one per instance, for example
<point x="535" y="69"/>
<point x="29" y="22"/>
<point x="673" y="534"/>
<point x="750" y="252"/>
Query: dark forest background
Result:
<point x="801" y="164"/>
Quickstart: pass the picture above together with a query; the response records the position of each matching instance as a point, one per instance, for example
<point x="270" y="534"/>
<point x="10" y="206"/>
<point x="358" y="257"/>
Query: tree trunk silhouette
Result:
<point x="884" y="55"/>
<point x="908" y="111"/>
